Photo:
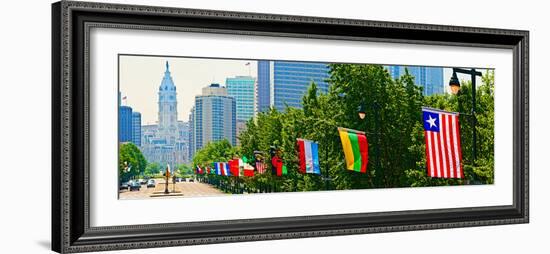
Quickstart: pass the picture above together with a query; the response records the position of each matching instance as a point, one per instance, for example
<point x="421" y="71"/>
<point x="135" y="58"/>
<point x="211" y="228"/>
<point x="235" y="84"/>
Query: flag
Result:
<point x="222" y="168"/>
<point x="278" y="166"/>
<point x="442" y="137"/>
<point x="260" y="166"/>
<point x="248" y="170"/>
<point x="309" y="156"/>
<point x="356" y="149"/>
<point x="200" y="171"/>
<point x="234" y="167"/>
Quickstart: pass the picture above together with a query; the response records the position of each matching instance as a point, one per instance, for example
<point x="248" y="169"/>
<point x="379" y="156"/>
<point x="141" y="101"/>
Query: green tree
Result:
<point x="152" y="169"/>
<point x="184" y="170"/>
<point x="131" y="162"/>
<point x="393" y="127"/>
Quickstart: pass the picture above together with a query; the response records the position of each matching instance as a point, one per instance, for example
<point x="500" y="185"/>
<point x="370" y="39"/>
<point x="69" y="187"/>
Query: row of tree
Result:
<point x="393" y="125"/>
<point x="132" y="165"/>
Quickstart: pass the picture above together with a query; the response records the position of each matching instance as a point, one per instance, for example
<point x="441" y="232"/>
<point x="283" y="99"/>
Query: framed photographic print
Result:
<point x="181" y="126"/>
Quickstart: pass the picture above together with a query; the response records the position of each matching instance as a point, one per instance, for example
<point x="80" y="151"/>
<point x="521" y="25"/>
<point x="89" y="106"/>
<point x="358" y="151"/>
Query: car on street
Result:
<point x="124" y="186"/>
<point x="151" y="183"/>
<point x="142" y="181"/>
<point x="191" y="180"/>
<point x="135" y="186"/>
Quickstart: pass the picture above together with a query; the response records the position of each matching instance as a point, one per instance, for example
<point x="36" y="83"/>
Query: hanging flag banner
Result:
<point x="200" y="171"/>
<point x="222" y="168"/>
<point x="356" y="149"/>
<point x="308" y="152"/>
<point x="442" y="137"/>
<point x="260" y="165"/>
<point x="278" y="167"/>
<point x="248" y="170"/>
<point x="234" y="167"/>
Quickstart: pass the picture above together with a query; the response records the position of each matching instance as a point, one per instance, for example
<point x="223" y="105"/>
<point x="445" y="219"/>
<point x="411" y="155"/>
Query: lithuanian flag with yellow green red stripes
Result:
<point x="356" y="149"/>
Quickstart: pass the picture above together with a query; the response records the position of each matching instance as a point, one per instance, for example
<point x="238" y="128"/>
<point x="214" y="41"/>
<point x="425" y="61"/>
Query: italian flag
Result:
<point x="356" y="149"/>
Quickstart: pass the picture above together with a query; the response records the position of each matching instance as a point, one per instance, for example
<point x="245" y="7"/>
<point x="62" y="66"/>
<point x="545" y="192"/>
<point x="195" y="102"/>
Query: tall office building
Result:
<point x="191" y="144"/>
<point x="214" y="117"/>
<point x="136" y="128"/>
<point x="263" y="86"/>
<point x="242" y="89"/>
<point x="288" y="82"/>
<point x="124" y="124"/>
<point x="429" y="78"/>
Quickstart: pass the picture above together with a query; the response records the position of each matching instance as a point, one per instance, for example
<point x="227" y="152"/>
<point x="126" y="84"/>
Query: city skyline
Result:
<point x="190" y="75"/>
<point x="138" y="89"/>
<point x="222" y="129"/>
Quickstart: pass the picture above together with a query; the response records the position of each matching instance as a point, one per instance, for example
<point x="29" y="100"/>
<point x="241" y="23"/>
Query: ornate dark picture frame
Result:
<point x="71" y="230"/>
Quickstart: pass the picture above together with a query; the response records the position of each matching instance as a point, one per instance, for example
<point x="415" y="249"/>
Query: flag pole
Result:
<point x="351" y="130"/>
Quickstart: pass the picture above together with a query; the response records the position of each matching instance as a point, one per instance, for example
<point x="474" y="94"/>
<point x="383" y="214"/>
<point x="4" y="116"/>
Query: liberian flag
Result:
<point x="356" y="149"/>
<point x="309" y="156"/>
<point x="442" y="136"/>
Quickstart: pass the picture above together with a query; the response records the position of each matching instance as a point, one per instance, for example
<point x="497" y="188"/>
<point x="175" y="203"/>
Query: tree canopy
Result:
<point x="392" y="123"/>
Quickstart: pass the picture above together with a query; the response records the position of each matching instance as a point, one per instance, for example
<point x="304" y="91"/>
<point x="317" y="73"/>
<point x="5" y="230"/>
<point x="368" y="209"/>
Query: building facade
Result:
<point x="167" y="141"/>
<point x="136" y="128"/>
<point x="242" y="89"/>
<point x="214" y="117"/>
<point x="429" y="78"/>
<point x="263" y="86"/>
<point x="124" y="124"/>
<point x="288" y="82"/>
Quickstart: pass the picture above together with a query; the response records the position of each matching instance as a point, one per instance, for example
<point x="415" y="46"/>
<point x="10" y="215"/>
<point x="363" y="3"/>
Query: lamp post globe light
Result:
<point x="454" y="85"/>
<point x="361" y="111"/>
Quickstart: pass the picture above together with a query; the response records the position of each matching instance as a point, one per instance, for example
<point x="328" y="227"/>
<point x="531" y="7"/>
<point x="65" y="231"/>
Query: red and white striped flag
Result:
<point x="442" y="137"/>
<point x="261" y="167"/>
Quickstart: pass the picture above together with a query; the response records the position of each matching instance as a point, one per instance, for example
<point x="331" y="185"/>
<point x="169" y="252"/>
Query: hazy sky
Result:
<point x="140" y="78"/>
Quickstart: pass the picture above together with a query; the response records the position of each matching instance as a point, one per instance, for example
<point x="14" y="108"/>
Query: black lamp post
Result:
<point x="454" y="84"/>
<point x="362" y="114"/>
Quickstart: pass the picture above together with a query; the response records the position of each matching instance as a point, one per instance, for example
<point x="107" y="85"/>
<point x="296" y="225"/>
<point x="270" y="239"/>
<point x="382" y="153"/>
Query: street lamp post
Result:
<point x="362" y="114"/>
<point x="166" y="176"/>
<point x="454" y="84"/>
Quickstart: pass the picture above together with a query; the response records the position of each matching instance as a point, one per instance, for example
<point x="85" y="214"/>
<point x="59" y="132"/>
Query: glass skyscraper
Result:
<point x="263" y="86"/>
<point x="242" y="89"/>
<point x="136" y="128"/>
<point x="214" y="117"/>
<point x="125" y="124"/>
<point x="292" y="79"/>
<point x="429" y="78"/>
